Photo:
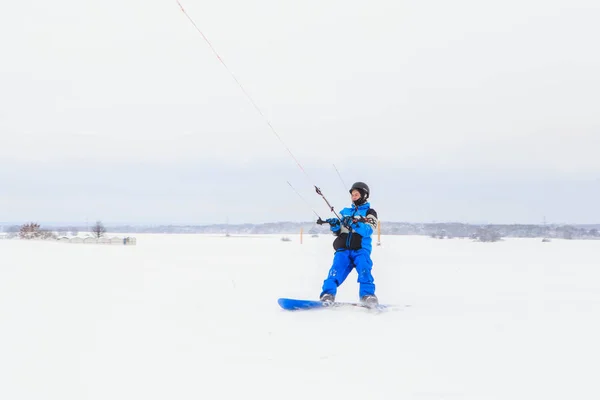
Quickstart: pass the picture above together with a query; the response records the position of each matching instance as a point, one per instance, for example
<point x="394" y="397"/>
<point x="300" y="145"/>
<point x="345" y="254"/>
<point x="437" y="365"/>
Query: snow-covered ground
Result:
<point x="196" y="317"/>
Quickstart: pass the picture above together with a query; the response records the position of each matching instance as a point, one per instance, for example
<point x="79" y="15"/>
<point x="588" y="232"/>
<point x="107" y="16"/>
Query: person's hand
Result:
<point x="333" y="221"/>
<point x="347" y="221"/>
<point x="334" y="224"/>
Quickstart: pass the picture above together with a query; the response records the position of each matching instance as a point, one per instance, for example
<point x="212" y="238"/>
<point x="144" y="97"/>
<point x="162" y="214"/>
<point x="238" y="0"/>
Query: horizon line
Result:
<point x="146" y="224"/>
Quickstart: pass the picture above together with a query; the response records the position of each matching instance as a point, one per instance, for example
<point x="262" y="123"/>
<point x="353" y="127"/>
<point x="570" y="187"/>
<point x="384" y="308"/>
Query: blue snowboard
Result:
<point x="297" y="304"/>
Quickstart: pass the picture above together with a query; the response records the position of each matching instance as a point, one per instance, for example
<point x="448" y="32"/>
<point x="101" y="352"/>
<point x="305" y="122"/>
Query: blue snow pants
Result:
<point x="343" y="262"/>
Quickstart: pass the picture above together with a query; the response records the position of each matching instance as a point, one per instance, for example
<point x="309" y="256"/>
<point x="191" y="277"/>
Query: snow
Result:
<point x="196" y="317"/>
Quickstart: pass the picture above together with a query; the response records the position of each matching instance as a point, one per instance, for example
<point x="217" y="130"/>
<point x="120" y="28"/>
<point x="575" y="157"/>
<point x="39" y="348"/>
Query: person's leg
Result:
<point x="364" y="264"/>
<point x="338" y="272"/>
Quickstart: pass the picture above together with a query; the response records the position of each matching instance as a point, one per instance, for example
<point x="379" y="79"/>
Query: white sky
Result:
<point x="463" y="92"/>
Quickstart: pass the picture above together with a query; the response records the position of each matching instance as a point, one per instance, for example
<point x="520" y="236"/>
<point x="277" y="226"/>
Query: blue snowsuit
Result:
<point x="352" y="250"/>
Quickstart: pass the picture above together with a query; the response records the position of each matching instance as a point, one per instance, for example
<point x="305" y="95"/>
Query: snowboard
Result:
<point x="299" y="304"/>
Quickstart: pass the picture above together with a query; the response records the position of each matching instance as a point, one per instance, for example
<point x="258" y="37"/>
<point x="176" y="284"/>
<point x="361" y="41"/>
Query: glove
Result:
<point x="334" y="224"/>
<point x="333" y="221"/>
<point x="347" y="221"/>
<point x="330" y="221"/>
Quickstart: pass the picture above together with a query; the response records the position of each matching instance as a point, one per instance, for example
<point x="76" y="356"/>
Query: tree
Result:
<point x="488" y="234"/>
<point x="29" y="231"/>
<point x="32" y="230"/>
<point x="98" y="230"/>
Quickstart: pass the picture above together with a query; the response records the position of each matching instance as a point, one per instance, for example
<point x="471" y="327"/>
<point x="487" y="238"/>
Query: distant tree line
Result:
<point x="482" y="232"/>
<point x="33" y="230"/>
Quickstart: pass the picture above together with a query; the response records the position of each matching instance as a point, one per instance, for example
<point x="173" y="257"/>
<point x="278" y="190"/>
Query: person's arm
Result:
<point x="365" y="226"/>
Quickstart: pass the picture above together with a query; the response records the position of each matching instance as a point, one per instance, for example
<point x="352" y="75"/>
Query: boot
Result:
<point x="369" y="300"/>
<point x="327" y="298"/>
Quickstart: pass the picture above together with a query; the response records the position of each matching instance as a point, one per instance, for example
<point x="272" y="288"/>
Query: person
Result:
<point x="352" y="246"/>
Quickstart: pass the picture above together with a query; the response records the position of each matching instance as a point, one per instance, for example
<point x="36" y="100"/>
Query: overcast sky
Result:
<point x="471" y="111"/>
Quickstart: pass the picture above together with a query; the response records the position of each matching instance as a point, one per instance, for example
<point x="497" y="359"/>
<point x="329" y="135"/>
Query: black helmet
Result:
<point x="364" y="190"/>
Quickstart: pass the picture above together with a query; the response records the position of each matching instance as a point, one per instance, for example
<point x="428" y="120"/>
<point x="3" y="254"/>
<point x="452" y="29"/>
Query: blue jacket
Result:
<point x="356" y="235"/>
